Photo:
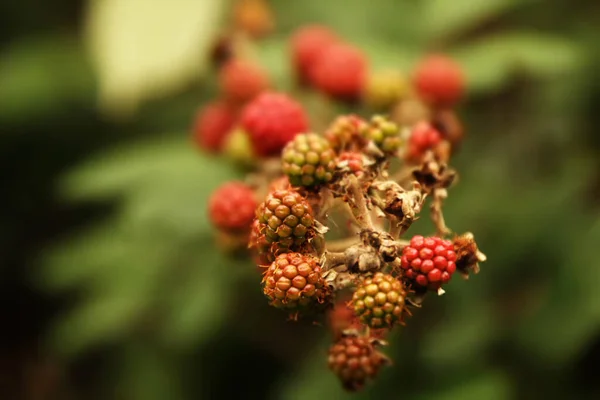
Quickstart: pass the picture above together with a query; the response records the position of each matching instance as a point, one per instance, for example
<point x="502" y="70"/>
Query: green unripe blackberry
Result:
<point x="308" y="160"/>
<point x="379" y="301"/>
<point x="384" y="133"/>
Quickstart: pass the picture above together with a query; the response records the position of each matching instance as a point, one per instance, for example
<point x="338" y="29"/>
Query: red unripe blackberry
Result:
<point x="285" y="218"/>
<point x="271" y="121"/>
<point x="423" y="137"/>
<point x="340" y="72"/>
<point x="344" y="133"/>
<point x="306" y="45"/>
<point x="352" y="161"/>
<point x="428" y="262"/>
<point x="379" y="301"/>
<point x="439" y="80"/>
<point x="242" y="80"/>
<point x="355" y="360"/>
<point x="294" y="281"/>
<point x="212" y="124"/>
<point x="232" y="207"/>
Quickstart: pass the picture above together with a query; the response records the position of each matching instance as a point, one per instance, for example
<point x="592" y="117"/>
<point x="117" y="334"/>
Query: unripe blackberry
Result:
<point x="344" y="133"/>
<point x="429" y="262"/>
<point x="271" y="121"/>
<point x="384" y="133"/>
<point x="340" y="71"/>
<point x="232" y="206"/>
<point x="308" y="160"/>
<point x="306" y="45"/>
<point x="384" y="89"/>
<point x="294" y="281"/>
<point x="286" y="218"/>
<point x="242" y="80"/>
<point x="379" y="301"/>
<point x="423" y="137"/>
<point x="212" y="125"/>
<point x="355" y="360"/>
<point x="439" y="80"/>
<point x="352" y="161"/>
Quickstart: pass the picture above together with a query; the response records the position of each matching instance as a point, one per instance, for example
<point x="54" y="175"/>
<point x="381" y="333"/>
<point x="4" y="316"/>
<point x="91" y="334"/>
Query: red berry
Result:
<point x="242" y="80"/>
<point x="212" y="124"/>
<point x="428" y="262"/>
<point x="232" y="207"/>
<point x="439" y="80"/>
<point x="340" y="71"/>
<point x="306" y="45"/>
<point x="271" y="120"/>
<point x="422" y="138"/>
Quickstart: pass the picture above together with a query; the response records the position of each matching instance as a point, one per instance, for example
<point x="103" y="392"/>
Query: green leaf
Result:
<point x="489" y="386"/>
<point x="104" y="318"/>
<point x="40" y="74"/>
<point x="443" y="18"/>
<point x="156" y="164"/>
<point x="491" y="61"/>
<point x="144" y="49"/>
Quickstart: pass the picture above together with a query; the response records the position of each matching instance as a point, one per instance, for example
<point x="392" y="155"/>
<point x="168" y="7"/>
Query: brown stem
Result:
<point x="333" y="259"/>
<point x="359" y="209"/>
<point x="437" y="215"/>
<point x="341" y="244"/>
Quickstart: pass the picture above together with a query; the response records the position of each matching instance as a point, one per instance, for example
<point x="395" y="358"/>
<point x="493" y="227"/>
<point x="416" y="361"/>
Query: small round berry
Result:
<point x="384" y="89"/>
<point x="340" y="72"/>
<point x="232" y="206"/>
<point x="344" y="133"/>
<point x="241" y="81"/>
<point x="379" y="301"/>
<point x="355" y="360"/>
<point x="384" y="133"/>
<point x="352" y="161"/>
<point x="439" y="80"/>
<point x="285" y="218"/>
<point x="308" y="160"/>
<point x="423" y="137"/>
<point x="212" y="124"/>
<point x="294" y="281"/>
<point x="428" y="262"/>
<point x="306" y="45"/>
<point x="271" y="121"/>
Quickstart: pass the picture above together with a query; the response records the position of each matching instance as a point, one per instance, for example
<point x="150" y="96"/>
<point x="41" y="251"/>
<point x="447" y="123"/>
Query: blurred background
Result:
<point x="110" y="285"/>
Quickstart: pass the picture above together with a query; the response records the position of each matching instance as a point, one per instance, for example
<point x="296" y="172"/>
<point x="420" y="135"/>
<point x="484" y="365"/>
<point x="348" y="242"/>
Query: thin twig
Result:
<point x="437" y="215"/>
<point x="360" y="210"/>
<point x="333" y="259"/>
<point x="341" y="244"/>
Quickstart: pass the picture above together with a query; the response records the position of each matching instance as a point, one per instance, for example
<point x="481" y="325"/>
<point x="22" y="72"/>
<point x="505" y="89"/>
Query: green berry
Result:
<point x="379" y="301"/>
<point x="384" y="133"/>
<point x="308" y="160"/>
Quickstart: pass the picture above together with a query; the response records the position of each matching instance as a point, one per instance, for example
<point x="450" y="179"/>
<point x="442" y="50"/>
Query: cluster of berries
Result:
<point x="369" y="278"/>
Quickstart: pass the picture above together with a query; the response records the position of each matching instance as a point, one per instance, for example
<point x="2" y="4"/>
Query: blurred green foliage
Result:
<point x="155" y="311"/>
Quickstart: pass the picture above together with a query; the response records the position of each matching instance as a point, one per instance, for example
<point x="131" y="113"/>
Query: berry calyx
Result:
<point x="232" y="206"/>
<point x="439" y="80"/>
<point x="344" y="133"/>
<point x="428" y="263"/>
<point x="212" y="125"/>
<point x="379" y="301"/>
<point x="271" y="121"/>
<point x="355" y="360"/>
<point x="384" y="133"/>
<point x="241" y="80"/>
<point x="294" y="281"/>
<point x="285" y="218"/>
<point x="340" y="72"/>
<point x="308" y="160"/>
<point x="423" y="137"/>
<point x="306" y="45"/>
